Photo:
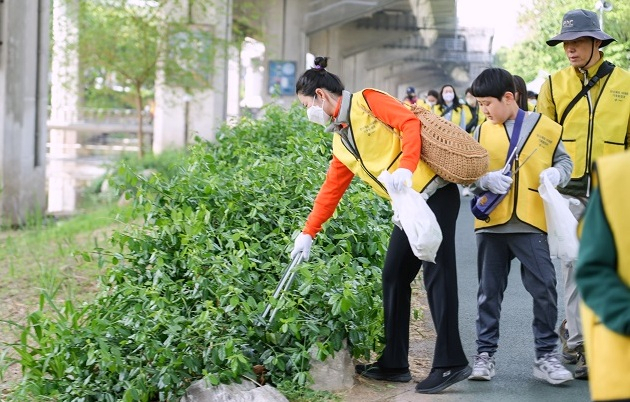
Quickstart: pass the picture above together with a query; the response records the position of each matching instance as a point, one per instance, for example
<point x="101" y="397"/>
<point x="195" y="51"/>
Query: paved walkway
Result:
<point x="514" y="380"/>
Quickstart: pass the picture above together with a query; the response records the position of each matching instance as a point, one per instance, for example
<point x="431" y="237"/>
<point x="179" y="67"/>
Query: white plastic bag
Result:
<point x="416" y="218"/>
<point x="561" y="224"/>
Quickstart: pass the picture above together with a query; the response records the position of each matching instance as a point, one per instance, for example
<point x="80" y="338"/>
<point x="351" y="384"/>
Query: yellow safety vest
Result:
<point x="423" y="104"/>
<point x="592" y="129"/>
<point x="456" y="115"/>
<point x="370" y="146"/>
<point x="522" y="198"/>
<point x="607" y="352"/>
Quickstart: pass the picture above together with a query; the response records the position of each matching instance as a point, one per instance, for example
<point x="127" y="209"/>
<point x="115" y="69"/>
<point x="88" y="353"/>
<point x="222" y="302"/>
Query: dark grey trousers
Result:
<point x="494" y="254"/>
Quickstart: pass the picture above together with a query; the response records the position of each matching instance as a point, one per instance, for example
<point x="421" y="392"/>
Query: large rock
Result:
<point x="335" y="373"/>
<point x="244" y="392"/>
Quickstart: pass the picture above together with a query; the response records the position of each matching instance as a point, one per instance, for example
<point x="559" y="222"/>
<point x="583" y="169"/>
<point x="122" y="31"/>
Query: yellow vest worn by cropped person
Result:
<point x="422" y="103"/>
<point x="607" y="352"/>
<point x="456" y="115"/>
<point x="522" y="199"/>
<point x="592" y="128"/>
<point x="370" y="146"/>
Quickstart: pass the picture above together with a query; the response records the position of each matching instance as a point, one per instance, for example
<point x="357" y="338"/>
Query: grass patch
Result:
<point x="43" y="257"/>
<point x="47" y="258"/>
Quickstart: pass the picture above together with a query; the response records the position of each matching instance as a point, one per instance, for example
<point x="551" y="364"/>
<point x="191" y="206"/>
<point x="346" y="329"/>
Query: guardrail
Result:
<point x="99" y="120"/>
<point x="96" y="115"/>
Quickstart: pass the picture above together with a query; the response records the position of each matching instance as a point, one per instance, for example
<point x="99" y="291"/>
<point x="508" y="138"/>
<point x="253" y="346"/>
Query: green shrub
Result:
<point x="185" y="289"/>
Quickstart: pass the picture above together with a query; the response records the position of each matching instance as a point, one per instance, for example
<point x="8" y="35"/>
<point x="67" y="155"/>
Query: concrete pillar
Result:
<point x="326" y="43"/>
<point x="286" y="47"/>
<point x="64" y="102"/>
<point x="23" y="99"/>
<point x="179" y="116"/>
<point x="252" y="57"/>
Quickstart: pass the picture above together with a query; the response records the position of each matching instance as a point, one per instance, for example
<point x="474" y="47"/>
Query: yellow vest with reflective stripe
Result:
<point x="370" y="146"/>
<point x="607" y="352"/>
<point x="592" y="129"/>
<point x="522" y="199"/>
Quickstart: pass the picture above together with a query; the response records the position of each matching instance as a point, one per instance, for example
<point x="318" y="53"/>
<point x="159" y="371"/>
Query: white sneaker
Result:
<point x="550" y="369"/>
<point x="483" y="369"/>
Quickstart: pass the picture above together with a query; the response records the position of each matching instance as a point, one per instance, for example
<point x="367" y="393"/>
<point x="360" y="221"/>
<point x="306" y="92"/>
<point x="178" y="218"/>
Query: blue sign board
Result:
<point x="282" y="77"/>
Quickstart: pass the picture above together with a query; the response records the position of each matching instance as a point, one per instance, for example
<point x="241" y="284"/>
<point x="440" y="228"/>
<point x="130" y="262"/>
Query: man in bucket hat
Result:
<point x="596" y="122"/>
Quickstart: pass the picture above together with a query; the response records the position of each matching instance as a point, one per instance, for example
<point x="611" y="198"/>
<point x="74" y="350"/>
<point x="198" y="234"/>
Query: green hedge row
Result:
<point x="185" y="289"/>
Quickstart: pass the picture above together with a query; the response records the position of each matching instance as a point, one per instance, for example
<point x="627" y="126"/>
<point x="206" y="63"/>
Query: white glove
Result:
<point x="496" y="182"/>
<point x="401" y="177"/>
<point x="552" y="174"/>
<point x="302" y="245"/>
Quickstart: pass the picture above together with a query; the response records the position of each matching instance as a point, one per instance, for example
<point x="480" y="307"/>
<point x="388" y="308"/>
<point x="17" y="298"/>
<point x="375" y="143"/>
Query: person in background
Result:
<point x="521" y="93"/>
<point x="517" y="227"/>
<point x="410" y="98"/>
<point x="602" y="274"/>
<point x="477" y="117"/>
<point x="363" y="144"/>
<point x="532" y="98"/>
<point x="450" y="107"/>
<point x="597" y="124"/>
<point x="430" y="100"/>
<point x="474" y="110"/>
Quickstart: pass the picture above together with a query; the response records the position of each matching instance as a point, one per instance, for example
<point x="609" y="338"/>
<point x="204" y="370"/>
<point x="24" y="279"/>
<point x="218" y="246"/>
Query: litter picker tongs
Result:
<point x="284" y="284"/>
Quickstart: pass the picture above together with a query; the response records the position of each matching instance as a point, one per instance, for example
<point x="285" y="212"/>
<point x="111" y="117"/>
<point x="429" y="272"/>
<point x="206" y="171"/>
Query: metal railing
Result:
<point x="95" y="120"/>
<point x="96" y="115"/>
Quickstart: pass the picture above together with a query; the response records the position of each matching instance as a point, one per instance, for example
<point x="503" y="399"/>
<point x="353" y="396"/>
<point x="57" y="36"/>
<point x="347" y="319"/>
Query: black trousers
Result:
<point x="440" y="281"/>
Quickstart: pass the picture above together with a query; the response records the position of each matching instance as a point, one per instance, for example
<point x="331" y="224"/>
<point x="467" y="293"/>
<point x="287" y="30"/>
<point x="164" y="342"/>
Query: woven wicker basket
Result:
<point x="449" y="150"/>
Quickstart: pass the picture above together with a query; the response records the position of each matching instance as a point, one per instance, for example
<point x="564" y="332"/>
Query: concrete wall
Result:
<point x="23" y="101"/>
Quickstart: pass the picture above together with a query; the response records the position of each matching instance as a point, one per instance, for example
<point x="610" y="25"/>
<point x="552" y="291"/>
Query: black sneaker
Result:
<point x="375" y="372"/>
<point x="440" y="379"/>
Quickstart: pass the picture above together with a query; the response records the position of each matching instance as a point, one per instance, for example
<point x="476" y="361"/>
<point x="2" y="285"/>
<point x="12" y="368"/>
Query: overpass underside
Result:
<point x="388" y="44"/>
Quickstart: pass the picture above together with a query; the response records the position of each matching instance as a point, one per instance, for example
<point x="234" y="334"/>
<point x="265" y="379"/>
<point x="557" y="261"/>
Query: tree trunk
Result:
<point x="139" y="107"/>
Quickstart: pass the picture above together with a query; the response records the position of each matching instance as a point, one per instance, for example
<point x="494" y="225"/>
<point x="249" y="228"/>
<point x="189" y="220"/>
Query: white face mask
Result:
<point x="317" y="115"/>
<point x="448" y="97"/>
<point x="430" y="102"/>
<point x="532" y="101"/>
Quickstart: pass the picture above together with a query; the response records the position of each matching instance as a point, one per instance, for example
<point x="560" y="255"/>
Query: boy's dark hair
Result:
<point x="318" y="77"/>
<point x="493" y="82"/>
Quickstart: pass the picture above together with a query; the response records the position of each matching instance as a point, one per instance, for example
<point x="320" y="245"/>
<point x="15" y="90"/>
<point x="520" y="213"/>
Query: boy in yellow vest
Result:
<point x="602" y="274"/>
<point x="517" y="226"/>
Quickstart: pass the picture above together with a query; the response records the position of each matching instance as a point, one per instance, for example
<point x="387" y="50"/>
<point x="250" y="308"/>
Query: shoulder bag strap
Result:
<point x="605" y="69"/>
<point x="448" y="109"/>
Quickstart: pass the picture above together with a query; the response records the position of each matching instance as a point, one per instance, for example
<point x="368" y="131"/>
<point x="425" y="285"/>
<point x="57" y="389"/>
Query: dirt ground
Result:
<point x="421" y="344"/>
